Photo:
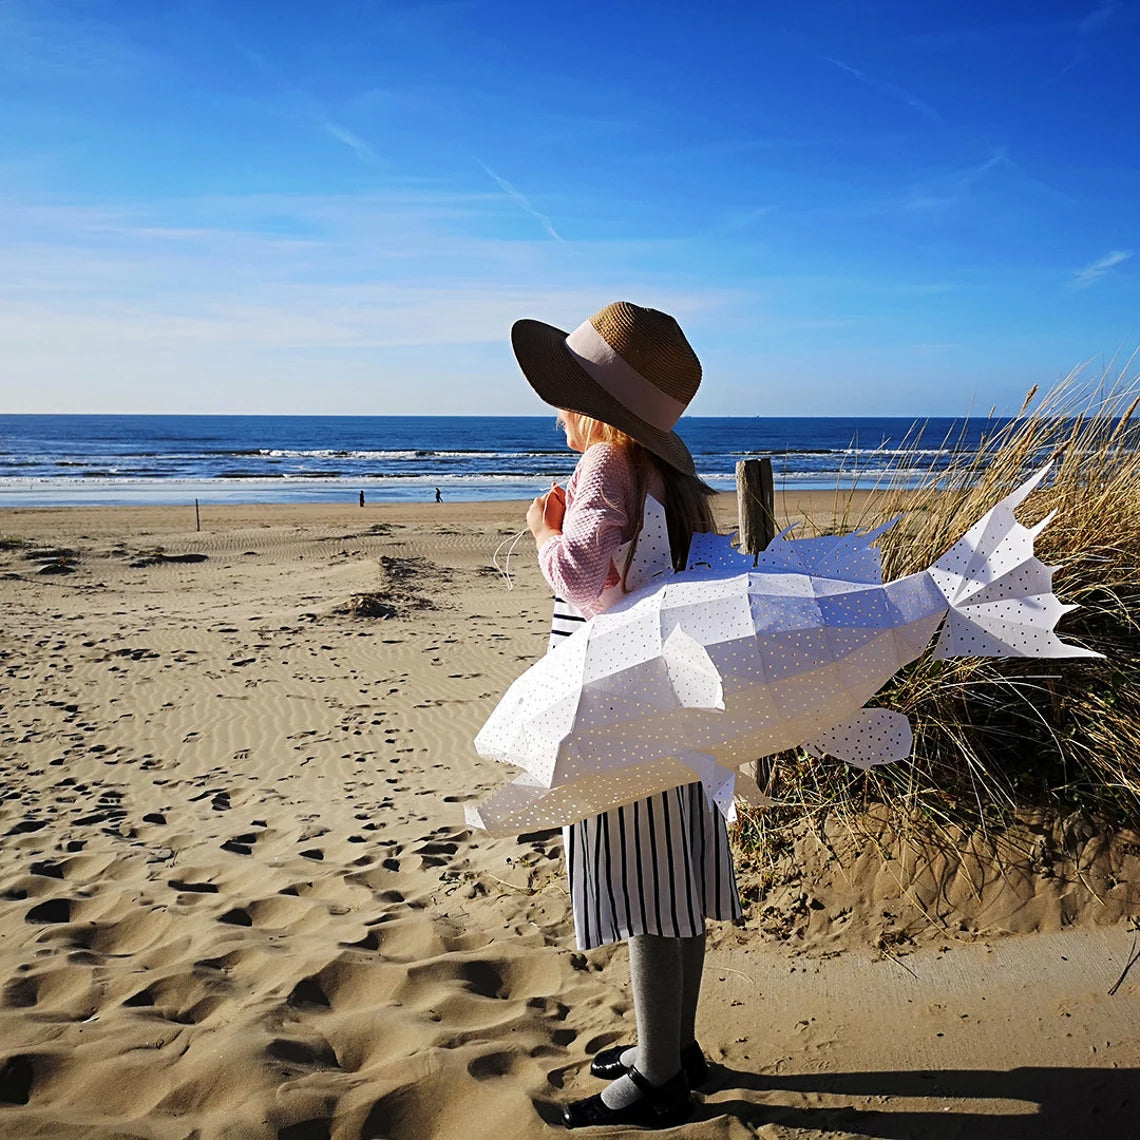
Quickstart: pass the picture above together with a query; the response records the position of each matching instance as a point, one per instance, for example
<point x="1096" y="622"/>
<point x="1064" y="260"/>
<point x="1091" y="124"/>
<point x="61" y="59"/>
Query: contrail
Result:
<point x="522" y="201"/>
<point x="342" y="134"/>
<point x="1083" y="278"/>
<point x="887" y="89"/>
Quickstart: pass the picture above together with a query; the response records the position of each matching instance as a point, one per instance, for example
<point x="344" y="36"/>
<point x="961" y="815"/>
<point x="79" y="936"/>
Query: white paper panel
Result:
<point x="790" y="650"/>
<point x="870" y="737"/>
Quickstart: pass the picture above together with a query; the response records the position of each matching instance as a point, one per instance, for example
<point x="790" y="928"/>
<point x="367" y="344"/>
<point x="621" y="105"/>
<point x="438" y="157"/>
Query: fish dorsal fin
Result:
<point x="850" y="557"/>
<point x="652" y="559"/>
<point x="709" y="551"/>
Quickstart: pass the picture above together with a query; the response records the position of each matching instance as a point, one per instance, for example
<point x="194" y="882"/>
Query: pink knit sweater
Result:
<point x="601" y="516"/>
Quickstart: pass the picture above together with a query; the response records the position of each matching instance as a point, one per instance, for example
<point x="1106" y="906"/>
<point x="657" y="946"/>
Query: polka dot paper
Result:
<point x="693" y="674"/>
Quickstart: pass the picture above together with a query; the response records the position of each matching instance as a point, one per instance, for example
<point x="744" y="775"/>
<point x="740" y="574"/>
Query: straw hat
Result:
<point x="630" y="367"/>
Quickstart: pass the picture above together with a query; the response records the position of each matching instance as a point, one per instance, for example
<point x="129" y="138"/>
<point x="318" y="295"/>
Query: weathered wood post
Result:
<point x="756" y="510"/>
<point x="197" y="517"/>
<point x="755" y="504"/>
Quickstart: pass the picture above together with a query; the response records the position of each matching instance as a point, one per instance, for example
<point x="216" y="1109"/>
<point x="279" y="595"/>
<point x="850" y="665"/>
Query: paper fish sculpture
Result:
<point x="697" y="673"/>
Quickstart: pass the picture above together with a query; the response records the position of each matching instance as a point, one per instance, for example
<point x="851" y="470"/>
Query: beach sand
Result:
<point x="237" y="897"/>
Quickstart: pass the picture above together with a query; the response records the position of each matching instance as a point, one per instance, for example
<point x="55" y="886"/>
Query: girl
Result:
<point x="650" y="871"/>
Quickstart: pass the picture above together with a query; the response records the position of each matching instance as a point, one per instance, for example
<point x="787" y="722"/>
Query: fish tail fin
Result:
<point x="999" y="593"/>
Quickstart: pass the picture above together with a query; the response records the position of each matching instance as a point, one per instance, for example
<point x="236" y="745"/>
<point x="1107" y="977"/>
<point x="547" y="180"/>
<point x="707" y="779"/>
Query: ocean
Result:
<point x="75" y="460"/>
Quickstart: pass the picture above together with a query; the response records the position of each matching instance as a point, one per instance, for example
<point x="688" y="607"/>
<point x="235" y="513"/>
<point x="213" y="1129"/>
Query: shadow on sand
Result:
<point x="1054" y="1103"/>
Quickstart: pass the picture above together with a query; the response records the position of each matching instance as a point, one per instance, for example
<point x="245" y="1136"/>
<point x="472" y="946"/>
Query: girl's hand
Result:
<point x="545" y="515"/>
<point x="555" y="506"/>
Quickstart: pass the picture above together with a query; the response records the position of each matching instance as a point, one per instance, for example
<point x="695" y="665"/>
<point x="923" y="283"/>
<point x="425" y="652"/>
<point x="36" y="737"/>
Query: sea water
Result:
<point x="97" y="460"/>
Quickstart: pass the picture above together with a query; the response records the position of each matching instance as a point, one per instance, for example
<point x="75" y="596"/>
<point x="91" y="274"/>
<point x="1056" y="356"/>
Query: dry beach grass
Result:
<point x="1025" y="779"/>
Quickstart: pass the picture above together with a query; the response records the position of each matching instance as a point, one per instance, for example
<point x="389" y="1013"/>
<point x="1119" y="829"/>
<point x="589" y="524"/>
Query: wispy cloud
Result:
<point x="238" y="302"/>
<point x="952" y="188"/>
<point x="956" y="187"/>
<point x="739" y="220"/>
<point x="1093" y="272"/>
<point x="342" y="134"/>
<point x="890" y="89"/>
<point x="522" y="201"/>
<point x="46" y="42"/>
<point x="1097" y="18"/>
<point x="309" y="108"/>
<point x="1087" y="27"/>
<point x="1012" y="34"/>
<point x="932" y="196"/>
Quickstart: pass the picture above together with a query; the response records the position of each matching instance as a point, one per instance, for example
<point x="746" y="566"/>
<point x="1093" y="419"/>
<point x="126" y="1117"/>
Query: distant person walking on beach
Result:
<point x="650" y="871"/>
<point x="362" y="498"/>
<point x="438" y="496"/>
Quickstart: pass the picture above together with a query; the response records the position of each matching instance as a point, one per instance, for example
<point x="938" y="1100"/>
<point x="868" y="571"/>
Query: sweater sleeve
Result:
<point x="578" y="563"/>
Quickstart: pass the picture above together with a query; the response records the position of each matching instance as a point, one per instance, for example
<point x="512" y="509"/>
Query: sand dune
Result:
<point x="237" y="898"/>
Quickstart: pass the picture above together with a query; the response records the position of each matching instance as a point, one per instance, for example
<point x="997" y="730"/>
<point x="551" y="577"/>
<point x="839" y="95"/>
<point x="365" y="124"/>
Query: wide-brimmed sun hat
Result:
<point x="630" y="367"/>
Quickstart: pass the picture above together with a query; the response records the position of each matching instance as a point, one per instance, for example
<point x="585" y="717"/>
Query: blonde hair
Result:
<point x="688" y="505"/>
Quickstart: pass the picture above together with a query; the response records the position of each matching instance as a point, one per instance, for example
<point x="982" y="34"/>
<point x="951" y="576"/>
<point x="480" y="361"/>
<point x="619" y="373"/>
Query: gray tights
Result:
<point x="665" y="975"/>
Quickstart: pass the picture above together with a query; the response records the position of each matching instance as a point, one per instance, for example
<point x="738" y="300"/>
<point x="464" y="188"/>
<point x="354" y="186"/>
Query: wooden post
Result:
<point x="756" y="509"/>
<point x="755" y="504"/>
<point x="197" y="517"/>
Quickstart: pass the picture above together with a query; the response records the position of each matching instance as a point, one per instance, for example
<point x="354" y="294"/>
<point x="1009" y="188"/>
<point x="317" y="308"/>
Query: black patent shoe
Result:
<point x="608" y="1064"/>
<point x="659" y="1106"/>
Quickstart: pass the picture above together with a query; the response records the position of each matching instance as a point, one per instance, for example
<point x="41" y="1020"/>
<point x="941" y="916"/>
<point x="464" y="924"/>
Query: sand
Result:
<point x="237" y="898"/>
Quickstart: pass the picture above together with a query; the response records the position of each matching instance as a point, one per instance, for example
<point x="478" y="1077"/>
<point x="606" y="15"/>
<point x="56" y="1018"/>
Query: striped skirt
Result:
<point x="660" y="865"/>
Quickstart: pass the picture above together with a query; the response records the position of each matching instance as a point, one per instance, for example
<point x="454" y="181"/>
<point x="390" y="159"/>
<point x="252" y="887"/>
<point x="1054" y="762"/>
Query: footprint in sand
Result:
<point x="200" y="888"/>
<point x="238" y="916"/>
<point x="52" y="911"/>
<point x="310" y="1053"/>
<point x="17" y="1076"/>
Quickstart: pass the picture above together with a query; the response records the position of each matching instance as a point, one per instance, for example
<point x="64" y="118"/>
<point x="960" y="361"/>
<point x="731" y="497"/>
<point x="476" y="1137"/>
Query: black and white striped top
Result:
<point x="565" y="621"/>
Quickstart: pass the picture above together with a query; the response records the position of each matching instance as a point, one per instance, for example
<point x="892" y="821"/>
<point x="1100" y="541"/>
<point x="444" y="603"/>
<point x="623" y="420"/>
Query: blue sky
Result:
<point x="853" y="208"/>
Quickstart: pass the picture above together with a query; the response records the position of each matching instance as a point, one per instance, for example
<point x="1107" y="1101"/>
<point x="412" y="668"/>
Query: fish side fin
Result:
<point x="695" y="679"/>
<point x="870" y="737"/>
<point x="1000" y="595"/>
<point x="719" y="783"/>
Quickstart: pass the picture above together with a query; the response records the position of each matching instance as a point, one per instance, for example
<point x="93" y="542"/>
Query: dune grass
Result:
<point x="998" y="738"/>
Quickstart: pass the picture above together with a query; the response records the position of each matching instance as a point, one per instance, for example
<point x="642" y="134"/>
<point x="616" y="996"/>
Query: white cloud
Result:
<point x="1085" y="277"/>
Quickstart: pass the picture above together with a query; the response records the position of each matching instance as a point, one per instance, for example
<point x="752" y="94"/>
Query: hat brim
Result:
<point x="562" y="382"/>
